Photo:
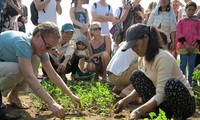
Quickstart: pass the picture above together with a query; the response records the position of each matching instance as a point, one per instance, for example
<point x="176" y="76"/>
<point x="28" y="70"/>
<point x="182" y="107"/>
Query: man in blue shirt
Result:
<point x="17" y="54"/>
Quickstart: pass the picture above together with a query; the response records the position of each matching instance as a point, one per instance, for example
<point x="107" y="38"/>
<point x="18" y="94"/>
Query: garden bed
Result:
<point x="97" y="103"/>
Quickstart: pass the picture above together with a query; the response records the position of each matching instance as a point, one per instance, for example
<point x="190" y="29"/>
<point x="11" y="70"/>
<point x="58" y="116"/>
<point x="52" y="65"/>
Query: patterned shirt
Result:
<point x="163" y="22"/>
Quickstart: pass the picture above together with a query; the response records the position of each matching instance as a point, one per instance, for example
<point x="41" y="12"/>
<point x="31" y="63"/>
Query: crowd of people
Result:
<point x="142" y="62"/>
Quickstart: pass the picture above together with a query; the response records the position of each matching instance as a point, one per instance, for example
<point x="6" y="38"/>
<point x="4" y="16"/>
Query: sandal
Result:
<point x="19" y="105"/>
<point x="3" y="106"/>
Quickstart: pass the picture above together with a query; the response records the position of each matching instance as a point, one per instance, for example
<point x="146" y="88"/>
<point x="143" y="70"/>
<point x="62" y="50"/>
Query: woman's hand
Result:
<point x="84" y="27"/>
<point x="172" y="47"/>
<point x="118" y="107"/>
<point x="57" y="110"/>
<point x="135" y="115"/>
<point x="127" y="7"/>
<point x="187" y="47"/>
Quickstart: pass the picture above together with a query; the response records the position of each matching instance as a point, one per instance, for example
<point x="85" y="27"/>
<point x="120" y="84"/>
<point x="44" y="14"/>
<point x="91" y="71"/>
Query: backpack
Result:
<point x="95" y="5"/>
<point x="34" y="13"/>
<point x="117" y="30"/>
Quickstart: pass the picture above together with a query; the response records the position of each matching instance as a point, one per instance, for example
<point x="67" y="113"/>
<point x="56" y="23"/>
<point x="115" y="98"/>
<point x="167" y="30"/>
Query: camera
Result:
<point x="127" y="2"/>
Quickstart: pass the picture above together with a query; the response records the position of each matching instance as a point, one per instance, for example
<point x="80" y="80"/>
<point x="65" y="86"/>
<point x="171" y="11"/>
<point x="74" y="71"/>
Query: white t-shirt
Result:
<point x="50" y="13"/>
<point x="105" y="11"/>
<point x="121" y="61"/>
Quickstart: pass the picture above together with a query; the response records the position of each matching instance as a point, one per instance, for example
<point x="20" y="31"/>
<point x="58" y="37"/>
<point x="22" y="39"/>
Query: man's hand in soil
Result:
<point x="76" y="101"/>
<point x="57" y="110"/>
<point x="118" y="107"/>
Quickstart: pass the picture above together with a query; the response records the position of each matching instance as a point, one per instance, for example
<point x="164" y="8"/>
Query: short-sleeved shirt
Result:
<point x="121" y="61"/>
<point x="14" y="44"/>
<point x="104" y="11"/>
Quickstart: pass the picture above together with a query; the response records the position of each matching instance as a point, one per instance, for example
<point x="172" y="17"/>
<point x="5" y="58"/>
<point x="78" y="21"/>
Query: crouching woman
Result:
<point x="158" y="80"/>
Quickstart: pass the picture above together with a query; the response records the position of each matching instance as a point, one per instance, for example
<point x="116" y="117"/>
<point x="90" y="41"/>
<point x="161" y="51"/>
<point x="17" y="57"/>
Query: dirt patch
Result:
<point x="35" y="114"/>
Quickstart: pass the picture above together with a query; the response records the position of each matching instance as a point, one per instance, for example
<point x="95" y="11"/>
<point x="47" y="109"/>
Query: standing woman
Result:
<point x="100" y="50"/>
<point x="176" y="4"/>
<point x="159" y="81"/>
<point x="163" y="17"/>
<point x="80" y="19"/>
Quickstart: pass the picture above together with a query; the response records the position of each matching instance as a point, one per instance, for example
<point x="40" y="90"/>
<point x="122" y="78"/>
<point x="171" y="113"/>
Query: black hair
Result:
<point x="163" y="37"/>
<point x="168" y="7"/>
<point x="191" y="4"/>
<point x="153" y="44"/>
<point x="74" y="2"/>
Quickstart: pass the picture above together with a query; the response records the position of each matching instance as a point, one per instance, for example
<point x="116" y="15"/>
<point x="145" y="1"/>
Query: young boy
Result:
<point x="82" y="51"/>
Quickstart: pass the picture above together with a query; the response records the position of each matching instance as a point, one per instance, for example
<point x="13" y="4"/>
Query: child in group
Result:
<point x="188" y="39"/>
<point x="82" y="51"/>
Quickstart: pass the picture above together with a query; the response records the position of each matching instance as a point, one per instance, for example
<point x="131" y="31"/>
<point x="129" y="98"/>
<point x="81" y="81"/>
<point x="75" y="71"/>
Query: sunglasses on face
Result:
<point x="95" y="29"/>
<point x="47" y="46"/>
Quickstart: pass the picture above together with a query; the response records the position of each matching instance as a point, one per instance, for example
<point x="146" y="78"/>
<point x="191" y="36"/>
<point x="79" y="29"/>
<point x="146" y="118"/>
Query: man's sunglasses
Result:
<point x="95" y="29"/>
<point x="47" y="46"/>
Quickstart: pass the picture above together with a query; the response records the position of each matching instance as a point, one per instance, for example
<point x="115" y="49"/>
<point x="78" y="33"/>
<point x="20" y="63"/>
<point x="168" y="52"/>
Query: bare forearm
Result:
<point x="147" y="107"/>
<point x="129" y="98"/>
<point x="58" y="8"/>
<point x="173" y="37"/>
<point x="99" y="19"/>
<point x="106" y="18"/>
<point x="19" y="10"/>
<point x="39" y="90"/>
<point x="67" y="59"/>
<point x="41" y="5"/>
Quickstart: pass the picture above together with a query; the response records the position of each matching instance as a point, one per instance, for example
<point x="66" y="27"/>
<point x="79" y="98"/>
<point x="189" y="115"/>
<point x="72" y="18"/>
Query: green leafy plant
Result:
<point x="196" y="75"/>
<point x="153" y="116"/>
<point x="196" y="89"/>
<point x="95" y="97"/>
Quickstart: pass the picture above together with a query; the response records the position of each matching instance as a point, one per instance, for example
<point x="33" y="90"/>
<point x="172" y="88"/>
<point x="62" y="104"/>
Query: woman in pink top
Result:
<point x="188" y="36"/>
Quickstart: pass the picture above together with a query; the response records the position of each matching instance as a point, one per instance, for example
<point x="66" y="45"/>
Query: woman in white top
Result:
<point x="51" y="7"/>
<point x="163" y="18"/>
<point x="159" y="81"/>
<point x="119" y="76"/>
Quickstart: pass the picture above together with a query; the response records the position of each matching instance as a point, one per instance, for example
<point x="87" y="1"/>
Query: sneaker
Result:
<point x="85" y="75"/>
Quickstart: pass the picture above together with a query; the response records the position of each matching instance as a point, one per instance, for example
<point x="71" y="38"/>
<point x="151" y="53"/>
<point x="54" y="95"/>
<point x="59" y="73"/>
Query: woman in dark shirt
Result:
<point x="100" y="51"/>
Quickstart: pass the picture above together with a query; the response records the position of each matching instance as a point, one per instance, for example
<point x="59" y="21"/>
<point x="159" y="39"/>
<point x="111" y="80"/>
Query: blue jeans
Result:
<point x="189" y="59"/>
<point x="2" y="4"/>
